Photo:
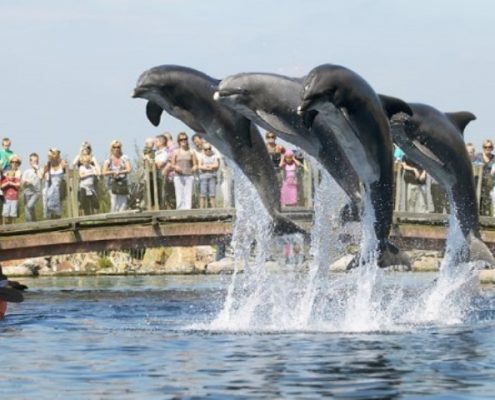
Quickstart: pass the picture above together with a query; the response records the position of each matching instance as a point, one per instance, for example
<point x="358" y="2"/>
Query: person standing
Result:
<point x="11" y="184"/>
<point x="117" y="167"/>
<point x="208" y="164"/>
<point x="487" y="159"/>
<point x="53" y="176"/>
<point x="31" y="187"/>
<point x="288" y="192"/>
<point x="87" y="186"/>
<point x="5" y="154"/>
<point x="415" y="179"/>
<point x="184" y="163"/>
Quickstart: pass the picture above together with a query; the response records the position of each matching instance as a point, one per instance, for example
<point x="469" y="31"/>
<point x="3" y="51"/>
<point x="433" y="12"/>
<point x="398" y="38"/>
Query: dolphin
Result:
<point x="271" y="101"/>
<point x="353" y="110"/>
<point x="435" y="141"/>
<point x="187" y="94"/>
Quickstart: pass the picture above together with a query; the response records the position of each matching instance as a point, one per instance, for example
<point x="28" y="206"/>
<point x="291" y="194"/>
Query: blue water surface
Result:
<point x="131" y="338"/>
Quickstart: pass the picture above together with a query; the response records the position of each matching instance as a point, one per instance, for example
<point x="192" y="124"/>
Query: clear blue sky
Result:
<point x="67" y="67"/>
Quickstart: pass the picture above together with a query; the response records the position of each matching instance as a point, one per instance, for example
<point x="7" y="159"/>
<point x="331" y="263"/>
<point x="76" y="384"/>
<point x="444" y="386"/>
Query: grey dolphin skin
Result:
<point x="353" y="110"/>
<point x="271" y="101"/>
<point x="187" y="94"/>
<point x="434" y="140"/>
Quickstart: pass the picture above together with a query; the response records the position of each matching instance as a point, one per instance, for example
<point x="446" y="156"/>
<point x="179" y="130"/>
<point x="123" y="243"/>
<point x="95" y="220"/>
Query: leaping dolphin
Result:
<point x="435" y="141"/>
<point x="271" y="101"/>
<point x="187" y="94"/>
<point x="353" y="110"/>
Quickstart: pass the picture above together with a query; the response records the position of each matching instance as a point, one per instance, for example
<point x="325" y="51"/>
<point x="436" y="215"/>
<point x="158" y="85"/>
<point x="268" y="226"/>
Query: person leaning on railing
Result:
<point x="117" y="168"/>
<point x="487" y="159"/>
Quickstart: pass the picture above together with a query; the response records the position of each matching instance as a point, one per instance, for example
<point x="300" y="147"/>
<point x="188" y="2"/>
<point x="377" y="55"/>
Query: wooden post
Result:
<point x="147" y="184"/>
<point x="308" y="184"/>
<point x="155" y="186"/>
<point x="398" y="185"/>
<point x="478" y="177"/>
<point x="75" y="190"/>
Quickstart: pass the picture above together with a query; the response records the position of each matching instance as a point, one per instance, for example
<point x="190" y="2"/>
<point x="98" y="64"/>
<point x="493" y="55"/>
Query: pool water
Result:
<point x="138" y="338"/>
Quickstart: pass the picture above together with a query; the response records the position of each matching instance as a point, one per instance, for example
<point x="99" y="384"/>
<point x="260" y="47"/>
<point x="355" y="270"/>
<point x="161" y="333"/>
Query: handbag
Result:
<point x="120" y="186"/>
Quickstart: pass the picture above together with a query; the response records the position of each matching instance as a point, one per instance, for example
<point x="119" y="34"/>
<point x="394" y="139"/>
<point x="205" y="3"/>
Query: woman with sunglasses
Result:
<point x="487" y="159"/>
<point x="184" y="163"/>
<point x="11" y="183"/>
<point x="117" y="167"/>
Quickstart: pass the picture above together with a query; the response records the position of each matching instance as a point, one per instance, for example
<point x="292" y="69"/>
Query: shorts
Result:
<point x="10" y="208"/>
<point x="208" y="185"/>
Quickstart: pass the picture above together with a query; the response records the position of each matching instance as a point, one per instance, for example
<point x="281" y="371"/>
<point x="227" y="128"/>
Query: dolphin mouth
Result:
<point x="224" y="93"/>
<point x="139" y="91"/>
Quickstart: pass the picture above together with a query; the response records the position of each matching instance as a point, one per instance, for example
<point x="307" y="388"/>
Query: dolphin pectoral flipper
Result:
<point x="427" y="152"/>
<point x="275" y="122"/>
<point x="393" y="105"/>
<point x="309" y="117"/>
<point x="284" y="226"/>
<point x="154" y="113"/>
<point x="461" y="119"/>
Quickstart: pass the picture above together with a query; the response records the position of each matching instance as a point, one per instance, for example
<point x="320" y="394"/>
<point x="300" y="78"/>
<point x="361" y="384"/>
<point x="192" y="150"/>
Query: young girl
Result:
<point x="87" y="185"/>
<point x="11" y="182"/>
<point x="288" y="165"/>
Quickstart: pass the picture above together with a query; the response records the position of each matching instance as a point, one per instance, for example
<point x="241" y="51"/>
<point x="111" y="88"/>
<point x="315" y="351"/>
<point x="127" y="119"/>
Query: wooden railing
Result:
<point x="149" y="175"/>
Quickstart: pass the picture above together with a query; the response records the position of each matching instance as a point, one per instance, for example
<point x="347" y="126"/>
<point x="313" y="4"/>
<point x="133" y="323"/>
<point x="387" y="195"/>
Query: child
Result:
<point x="87" y="185"/>
<point x="10" y="184"/>
<point x="288" y="193"/>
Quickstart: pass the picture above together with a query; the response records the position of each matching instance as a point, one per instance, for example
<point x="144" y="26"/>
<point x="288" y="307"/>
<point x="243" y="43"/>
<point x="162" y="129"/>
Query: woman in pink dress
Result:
<point x="289" y="165"/>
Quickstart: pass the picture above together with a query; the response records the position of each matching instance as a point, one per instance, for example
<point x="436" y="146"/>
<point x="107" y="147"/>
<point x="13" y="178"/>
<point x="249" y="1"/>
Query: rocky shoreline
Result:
<point x="178" y="260"/>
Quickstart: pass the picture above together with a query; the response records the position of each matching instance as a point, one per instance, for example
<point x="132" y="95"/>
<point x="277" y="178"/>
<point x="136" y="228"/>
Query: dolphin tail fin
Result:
<point x="350" y="213"/>
<point x="480" y="252"/>
<point x="284" y="226"/>
<point x="390" y="255"/>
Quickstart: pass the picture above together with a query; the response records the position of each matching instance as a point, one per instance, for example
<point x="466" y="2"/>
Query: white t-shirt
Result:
<point x="161" y="157"/>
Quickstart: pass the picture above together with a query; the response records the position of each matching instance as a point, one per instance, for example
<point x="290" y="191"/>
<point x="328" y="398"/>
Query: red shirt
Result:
<point x="10" y="192"/>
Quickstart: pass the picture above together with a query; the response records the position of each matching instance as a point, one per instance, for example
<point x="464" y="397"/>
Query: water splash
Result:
<point x="364" y="300"/>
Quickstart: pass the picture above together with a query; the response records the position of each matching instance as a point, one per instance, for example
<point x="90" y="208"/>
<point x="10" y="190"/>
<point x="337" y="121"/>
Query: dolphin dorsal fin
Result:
<point x="461" y="119"/>
<point x="394" y="105"/>
<point x="154" y="113"/>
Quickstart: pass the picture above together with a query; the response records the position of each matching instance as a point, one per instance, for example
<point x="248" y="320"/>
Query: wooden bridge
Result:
<point x="133" y="230"/>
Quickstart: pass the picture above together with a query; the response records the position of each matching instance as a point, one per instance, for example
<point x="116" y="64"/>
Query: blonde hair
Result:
<point x="115" y="143"/>
<point x="54" y="154"/>
<point x="16" y="158"/>
<point x="487" y="142"/>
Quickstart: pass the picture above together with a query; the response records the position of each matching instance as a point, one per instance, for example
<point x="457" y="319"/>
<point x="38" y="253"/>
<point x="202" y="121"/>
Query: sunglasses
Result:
<point x="15" y="162"/>
<point x="207" y="148"/>
<point x="116" y="147"/>
<point x="488" y="147"/>
<point x="183" y="140"/>
<point x="271" y="137"/>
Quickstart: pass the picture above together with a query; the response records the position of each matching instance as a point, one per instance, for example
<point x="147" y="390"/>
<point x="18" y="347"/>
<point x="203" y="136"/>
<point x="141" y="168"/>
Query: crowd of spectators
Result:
<point x="185" y="176"/>
<point x="417" y="181"/>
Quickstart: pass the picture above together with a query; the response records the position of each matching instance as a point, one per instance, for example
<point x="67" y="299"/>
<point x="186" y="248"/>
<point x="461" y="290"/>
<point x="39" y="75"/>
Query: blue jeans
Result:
<point x="30" y="199"/>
